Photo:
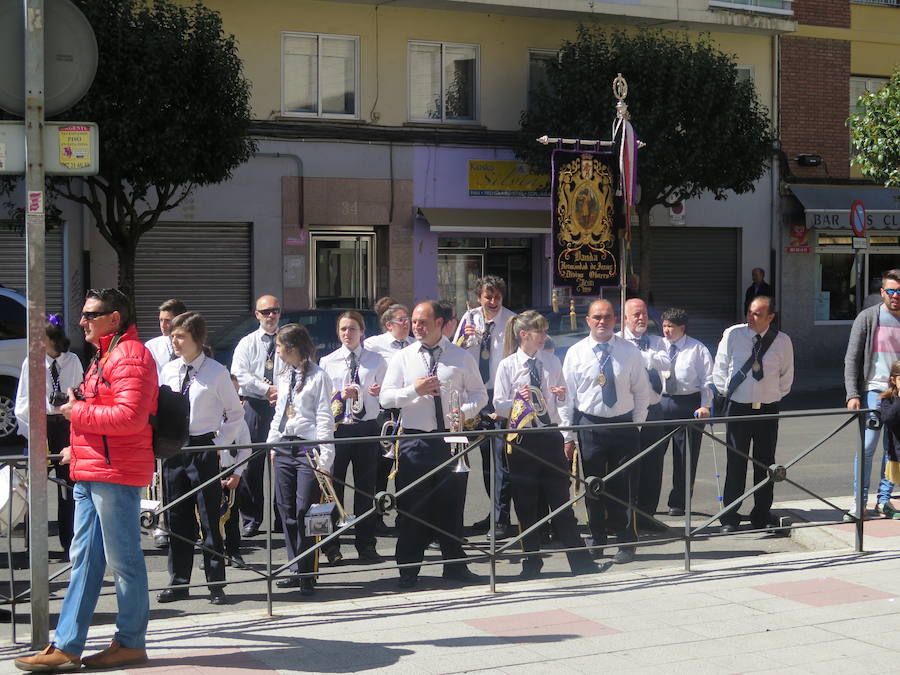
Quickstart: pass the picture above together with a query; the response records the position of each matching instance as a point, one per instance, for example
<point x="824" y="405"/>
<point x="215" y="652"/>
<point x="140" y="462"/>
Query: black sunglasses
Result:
<point x="90" y="316"/>
<point x="267" y="312"/>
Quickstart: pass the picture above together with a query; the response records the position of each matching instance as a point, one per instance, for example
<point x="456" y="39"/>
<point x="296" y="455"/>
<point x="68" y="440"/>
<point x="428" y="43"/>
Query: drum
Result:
<point x="17" y="497"/>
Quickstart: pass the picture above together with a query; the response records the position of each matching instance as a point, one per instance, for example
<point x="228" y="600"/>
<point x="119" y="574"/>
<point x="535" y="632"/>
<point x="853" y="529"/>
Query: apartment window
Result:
<point x="859" y="86"/>
<point x="538" y="60"/>
<point x="320" y="75"/>
<point x="443" y="82"/>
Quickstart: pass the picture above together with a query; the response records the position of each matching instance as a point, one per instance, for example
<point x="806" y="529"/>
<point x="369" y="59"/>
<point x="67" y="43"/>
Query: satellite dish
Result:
<point x="70" y="56"/>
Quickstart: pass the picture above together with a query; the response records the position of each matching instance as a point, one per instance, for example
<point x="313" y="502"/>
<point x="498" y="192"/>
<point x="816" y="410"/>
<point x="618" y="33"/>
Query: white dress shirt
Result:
<point x="231" y="456"/>
<point x="384" y="344"/>
<point x="456" y="370"/>
<point x="581" y="369"/>
<point x="372" y="368"/>
<point x="312" y="418"/>
<point x="215" y="406"/>
<point x="248" y="365"/>
<point x="656" y="357"/>
<point x="476" y="316"/>
<point x="693" y="369"/>
<point x="161" y="348"/>
<point x="513" y="373"/>
<point x="71" y="374"/>
<point x="778" y="366"/>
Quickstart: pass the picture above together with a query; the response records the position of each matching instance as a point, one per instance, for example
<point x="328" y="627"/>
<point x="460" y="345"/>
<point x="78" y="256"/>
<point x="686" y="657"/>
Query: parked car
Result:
<point x="321" y="324"/>
<point x="13" y="333"/>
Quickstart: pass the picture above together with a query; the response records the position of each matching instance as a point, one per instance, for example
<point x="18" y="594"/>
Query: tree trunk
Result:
<point x="127" y="255"/>
<point x="644" y="227"/>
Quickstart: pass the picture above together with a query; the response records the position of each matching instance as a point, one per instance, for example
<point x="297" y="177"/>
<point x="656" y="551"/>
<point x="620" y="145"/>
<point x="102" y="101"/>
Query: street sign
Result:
<point x="70" y="148"/>
<point x="858" y="218"/>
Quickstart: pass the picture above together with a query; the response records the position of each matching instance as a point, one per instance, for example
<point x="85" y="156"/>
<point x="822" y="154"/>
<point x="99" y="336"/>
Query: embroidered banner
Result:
<point x="587" y="217"/>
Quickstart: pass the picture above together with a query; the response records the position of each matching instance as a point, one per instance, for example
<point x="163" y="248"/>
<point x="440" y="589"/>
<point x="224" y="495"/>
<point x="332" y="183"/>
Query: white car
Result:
<point x="13" y="330"/>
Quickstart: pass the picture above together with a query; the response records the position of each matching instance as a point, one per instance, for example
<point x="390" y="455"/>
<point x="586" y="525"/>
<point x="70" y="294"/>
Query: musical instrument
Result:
<point x="457" y="449"/>
<point x="525" y="413"/>
<point x="389" y="428"/>
<point x="320" y="519"/>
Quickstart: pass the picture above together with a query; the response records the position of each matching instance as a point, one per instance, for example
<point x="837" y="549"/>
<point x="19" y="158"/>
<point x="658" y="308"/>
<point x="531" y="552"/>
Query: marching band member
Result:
<point x="528" y="384"/>
<point x="356" y="374"/>
<point x="302" y="412"/>
<point x="215" y="419"/>
<point x="480" y="331"/>
<point x="231" y="457"/>
<point x="606" y="382"/>
<point x="64" y="371"/>
<point x="419" y="382"/>
<point x="161" y="345"/>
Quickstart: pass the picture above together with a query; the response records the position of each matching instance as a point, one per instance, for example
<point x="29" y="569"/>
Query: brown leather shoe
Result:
<point x="50" y="660"/>
<point x="116" y="656"/>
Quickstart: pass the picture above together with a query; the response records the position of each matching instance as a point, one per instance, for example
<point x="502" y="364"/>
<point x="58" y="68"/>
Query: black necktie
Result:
<point x="354" y="368"/>
<point x="757" y="368"/>
<point x="289" y="401"/>
<point x="435" y="353"/>
<point x="606" y="379"/>
<point x="484" y="356"/>
<point x="269" y="368"/>
<point x="670" y="380"/>
<point x="186" y="380"/>
<point x="172" y="354"/>
<point x="54" y="376"/>
<point x="643" y="343"/>
<point x="398" y="344"/>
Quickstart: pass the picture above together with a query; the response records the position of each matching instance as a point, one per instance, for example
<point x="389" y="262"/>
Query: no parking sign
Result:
<point x="858" y="218"/>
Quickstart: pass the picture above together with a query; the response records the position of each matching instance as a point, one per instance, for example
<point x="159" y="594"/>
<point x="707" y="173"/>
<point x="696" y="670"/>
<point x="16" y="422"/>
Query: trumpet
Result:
<point x="326" y="486"/>
<point x="353" y="407"/>
<point x="457" y="448"/>
<point x="389" y="428"/>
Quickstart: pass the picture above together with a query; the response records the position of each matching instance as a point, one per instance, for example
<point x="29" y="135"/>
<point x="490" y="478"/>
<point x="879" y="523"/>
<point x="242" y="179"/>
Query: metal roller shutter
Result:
<point x="205" y="265"/>
<point x="697" y="269"/>
<point x="12" y="263"/>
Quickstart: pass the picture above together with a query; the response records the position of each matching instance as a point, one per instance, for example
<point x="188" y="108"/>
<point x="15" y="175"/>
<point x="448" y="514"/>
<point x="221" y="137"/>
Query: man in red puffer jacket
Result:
<point x="111" y="453"/>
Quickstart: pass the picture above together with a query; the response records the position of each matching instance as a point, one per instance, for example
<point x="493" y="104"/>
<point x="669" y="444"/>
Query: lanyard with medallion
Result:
<point x="601" y="377"/>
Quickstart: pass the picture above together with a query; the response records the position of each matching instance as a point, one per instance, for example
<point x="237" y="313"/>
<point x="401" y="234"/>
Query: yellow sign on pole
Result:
<point x="75" y="146"/>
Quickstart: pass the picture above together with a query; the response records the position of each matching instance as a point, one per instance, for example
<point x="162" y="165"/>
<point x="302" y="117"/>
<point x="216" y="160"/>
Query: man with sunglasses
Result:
<point x="873" y="346"/>
<point x="111" y="456"/>
<point x="255" y="364"/>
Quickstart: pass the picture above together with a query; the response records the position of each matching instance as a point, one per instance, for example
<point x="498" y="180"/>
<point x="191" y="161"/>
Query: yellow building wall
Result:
<point x="875" y="49"/>
<point x="383" y="38"/>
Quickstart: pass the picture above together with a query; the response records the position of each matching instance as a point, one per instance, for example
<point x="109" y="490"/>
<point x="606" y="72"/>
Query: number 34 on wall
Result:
<point x="349" y="208"/>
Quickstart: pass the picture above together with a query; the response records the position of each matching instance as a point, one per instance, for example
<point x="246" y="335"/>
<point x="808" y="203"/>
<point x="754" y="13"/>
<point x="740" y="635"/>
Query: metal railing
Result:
<point x="586" y="488"/>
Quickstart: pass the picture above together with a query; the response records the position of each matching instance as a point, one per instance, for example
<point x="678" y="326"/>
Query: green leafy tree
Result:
<point x="705" y="129"/>
<point x="875" y="131"/>
<point x="173" y="109"/>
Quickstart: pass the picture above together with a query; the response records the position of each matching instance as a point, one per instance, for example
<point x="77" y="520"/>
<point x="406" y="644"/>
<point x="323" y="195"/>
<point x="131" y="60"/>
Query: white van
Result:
<point x="13" y="331"/>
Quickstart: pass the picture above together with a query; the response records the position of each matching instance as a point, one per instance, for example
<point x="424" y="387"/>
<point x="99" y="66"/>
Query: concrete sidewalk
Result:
<point x="809" y="612"/>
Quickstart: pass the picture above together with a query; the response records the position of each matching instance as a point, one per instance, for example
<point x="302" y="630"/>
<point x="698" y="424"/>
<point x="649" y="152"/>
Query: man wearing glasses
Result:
<point x="111" y="455"/>
<point x="874" y="345"/>
<point x="255" y="365"/>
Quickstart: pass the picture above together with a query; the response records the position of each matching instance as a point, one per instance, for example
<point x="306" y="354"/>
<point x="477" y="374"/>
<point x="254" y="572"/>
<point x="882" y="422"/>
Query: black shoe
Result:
<point x="585" y="569"/>
<point x="648" y="525"/>
<point x="307" y="587"/>
<point x="407" y="581"/>
<point x="335" y="557"/>
<point x="530" y="573"/>
<point x="460" y="573"/>
<point x="217" y="597"/>
<point x="675" y="511"/>
<point x="370" y="555"/>
<point x="172" y="595"/>
<point x="504" y="531"/>
<point x="624" y="555"/>
<point x="482" y="525"/>
<point x="728" y="527"/>
<point x="237" y="561"/>
<point x="250" y="530"/>
<point x="288" y="582"/>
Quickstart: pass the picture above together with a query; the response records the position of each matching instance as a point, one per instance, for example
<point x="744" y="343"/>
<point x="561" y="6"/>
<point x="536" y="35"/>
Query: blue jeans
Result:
<point x="107" y="531"/>
<point x="872" y="436"/>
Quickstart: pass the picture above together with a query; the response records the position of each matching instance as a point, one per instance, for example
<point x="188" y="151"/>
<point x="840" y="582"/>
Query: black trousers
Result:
<point x="602" y="451"/>
<point x="364" y="457"/>
<point x="182" y="473"/>
<point x="296" y="489"/>
<point x="57" y="439"/>
<point x="651" y="465"/>
<point x="531" y="480"/>
<point x="251" y="497"/>
<point x="685" y="443"/>
<point x="437" y="501"/>
<point x="763" y="435"/>
<point x="503" y="493"/>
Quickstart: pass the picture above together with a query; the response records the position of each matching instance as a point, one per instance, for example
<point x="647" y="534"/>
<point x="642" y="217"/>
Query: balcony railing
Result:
<point x="781" y="7"/>
<point x="880" y="3"/>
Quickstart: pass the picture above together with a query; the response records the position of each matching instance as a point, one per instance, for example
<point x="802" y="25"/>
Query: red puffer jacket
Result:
<point x="111" y="437"/>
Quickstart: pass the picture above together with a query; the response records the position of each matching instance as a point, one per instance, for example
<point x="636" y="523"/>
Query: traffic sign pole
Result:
<point x="37" y="321"/>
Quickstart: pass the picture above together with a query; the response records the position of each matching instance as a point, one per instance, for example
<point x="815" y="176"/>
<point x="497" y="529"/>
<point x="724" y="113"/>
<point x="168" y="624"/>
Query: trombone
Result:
<point x="457" y="444"/>
<point x="326" y="486"/>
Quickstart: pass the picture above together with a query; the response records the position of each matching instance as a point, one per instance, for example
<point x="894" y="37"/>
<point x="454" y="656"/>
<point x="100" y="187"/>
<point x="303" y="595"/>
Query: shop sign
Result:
<point x="587" y="217"/>
<point x="840" y="220"/>
<point x="799" y="240"/>
<point x="505" y="178"/>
